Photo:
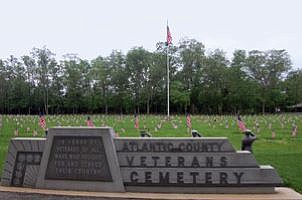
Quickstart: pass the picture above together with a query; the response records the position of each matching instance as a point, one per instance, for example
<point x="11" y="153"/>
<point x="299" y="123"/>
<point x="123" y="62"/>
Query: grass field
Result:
<point x="284" y="152"/>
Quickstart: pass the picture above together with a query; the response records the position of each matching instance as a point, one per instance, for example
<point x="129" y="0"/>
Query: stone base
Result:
<point x="280" y="193"/>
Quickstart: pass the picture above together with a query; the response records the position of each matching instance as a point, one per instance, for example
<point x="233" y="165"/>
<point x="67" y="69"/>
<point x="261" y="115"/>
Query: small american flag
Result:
<point x="189" y="125"/>
<point x="42" y="122"/>
<point x="89" y="122"/>
<point x="136" y="122"/>
<point x="169" y="37"/>
<point x="241" y="124"/>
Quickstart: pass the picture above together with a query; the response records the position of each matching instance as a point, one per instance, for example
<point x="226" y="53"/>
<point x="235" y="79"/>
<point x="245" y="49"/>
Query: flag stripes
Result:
<point x="136" y="121"/>
<point x="42" y="122"/>
<point x="169" y="37"/>
<point x="241" y="124"/>
<point x="189" y="124"/>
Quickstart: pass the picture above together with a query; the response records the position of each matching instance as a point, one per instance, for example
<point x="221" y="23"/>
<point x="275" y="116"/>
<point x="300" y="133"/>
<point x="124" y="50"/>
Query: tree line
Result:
<point x="201" y="81"/>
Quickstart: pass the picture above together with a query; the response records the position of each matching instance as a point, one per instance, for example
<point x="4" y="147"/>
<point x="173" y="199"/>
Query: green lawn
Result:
<point x="284" y="152"/>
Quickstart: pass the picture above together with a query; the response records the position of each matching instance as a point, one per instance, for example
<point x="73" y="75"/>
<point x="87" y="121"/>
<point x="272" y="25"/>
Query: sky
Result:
<point x="91" y="28"/>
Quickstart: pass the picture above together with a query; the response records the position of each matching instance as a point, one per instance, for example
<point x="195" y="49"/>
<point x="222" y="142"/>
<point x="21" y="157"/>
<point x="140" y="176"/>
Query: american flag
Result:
<point x="169" y="37"/>
<point x="189" y="125"/>
<point x="136" y="122"/>
<point x="42" y="122"/>
<point x="89" y="122"/>
<point x="241" y="124"/>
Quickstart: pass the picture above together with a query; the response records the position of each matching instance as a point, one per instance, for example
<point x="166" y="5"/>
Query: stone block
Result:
<point x="21" y="153"/>
<point x="80" y="159"/>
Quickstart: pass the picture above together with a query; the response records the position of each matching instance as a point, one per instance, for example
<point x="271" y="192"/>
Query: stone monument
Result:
<point x="92" y="159"/>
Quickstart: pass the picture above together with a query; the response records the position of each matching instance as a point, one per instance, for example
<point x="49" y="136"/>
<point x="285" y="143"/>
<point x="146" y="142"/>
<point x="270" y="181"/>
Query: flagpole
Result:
<point x="168" y="84"/>
<point x="169" y="41"/>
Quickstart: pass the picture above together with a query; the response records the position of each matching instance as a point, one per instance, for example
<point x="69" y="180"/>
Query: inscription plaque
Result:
<point x="78" y="158"/>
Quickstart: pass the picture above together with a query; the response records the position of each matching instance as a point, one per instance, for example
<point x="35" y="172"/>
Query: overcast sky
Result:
<point x="94" y="27"/>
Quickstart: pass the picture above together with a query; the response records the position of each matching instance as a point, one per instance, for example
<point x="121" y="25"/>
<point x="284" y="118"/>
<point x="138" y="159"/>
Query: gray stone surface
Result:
<point x="10" y="196"/>
<point x="202" y="190"/>
<point x="177" y="160"/>
<point x="17" y="168"/>
<point x="81" y="142"/>
<point x="31" y="174"/>
<point x="263" y="176"/>
<point x="198" y="165"/>
<point x="205" y="144"/>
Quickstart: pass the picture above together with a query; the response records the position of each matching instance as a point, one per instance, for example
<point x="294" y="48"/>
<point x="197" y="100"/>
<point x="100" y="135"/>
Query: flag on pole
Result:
<point x="189" y="125"/>
<point x="169" y="37"/>
<point x="168" y="43"/>
<point x="241" y="124"/>
<point x="42" y="122"/>
<point x="136" y="122"/>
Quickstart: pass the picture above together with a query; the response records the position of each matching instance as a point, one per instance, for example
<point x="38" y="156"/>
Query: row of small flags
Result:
<point x="42" y="122"/>
<point x="240" y="123"/>
<point x="89" y="122"/>
<point x="188" y="120"/>
<point x="243" y="128"/>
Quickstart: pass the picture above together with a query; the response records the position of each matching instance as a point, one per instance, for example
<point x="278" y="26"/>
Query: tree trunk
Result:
<point x="45" y="102"/>
<point x="105" y="99"/>
<point x="263" y="100"/>
<point x="148" y="105"/>
<point x="220" y="106"/>
<point x="106" y="108"/>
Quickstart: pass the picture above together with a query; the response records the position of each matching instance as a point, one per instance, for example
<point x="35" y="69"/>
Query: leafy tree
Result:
<point x="45" y="62"/>
<point x="138" y="69"/>
<point x="293" y="88"/>
<point x="242" y="91"/>
<point x="214" y="81"/>
<point x="121" y="98"/>
<point x="102" y="76"/>
<point x="267" y="68"/>
<point x="30" y="67"/>
<point x="192" y="59"/>
<point x="179" y="96"/>
<point x="73" y="81"/>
